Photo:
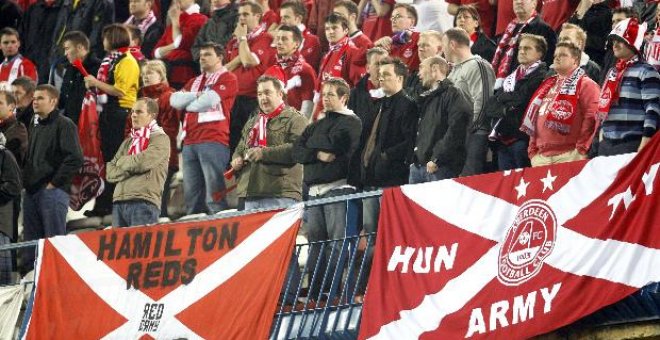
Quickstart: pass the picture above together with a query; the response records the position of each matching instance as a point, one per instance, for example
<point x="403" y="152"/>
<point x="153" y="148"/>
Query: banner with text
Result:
<point x="514" y="254"/>
<point x="213" y="279"/>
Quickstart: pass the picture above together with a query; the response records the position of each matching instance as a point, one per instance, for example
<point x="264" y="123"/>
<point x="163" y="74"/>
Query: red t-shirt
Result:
<point x="375" y="27"/>
<point x="18" y="66"/>
<point x="407" y="52"/>
<point x="262" y="49"/>
<point x="486" y="13"/>
<point x="557" y="12"/>
<point x="212" y="126"/>
<point x="347" y="63"/>
<point x="300" y="83"/>
<point x="311" y="49"/>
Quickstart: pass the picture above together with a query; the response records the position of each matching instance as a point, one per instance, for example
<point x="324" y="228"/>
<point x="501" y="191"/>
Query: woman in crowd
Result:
<point x="467" y="18"/>
<point x="116" y="87"/>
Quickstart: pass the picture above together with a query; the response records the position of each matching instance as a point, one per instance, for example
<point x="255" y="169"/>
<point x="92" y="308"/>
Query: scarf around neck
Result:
<point x="509" y="84"/>
<point x="140" y="137"/>
<point x="505" y="49"/>
<point x="561" y="110"/>
<point x="103" y="74"/>
<point x="609" y="93"/>
<point x="144" y="24"/>
<point x="259" y="133"/>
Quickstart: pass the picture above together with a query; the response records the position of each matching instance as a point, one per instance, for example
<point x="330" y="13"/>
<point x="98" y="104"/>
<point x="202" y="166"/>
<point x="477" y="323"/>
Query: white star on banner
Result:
<point x="547" y="181"/>
<point x="522" y="188"/>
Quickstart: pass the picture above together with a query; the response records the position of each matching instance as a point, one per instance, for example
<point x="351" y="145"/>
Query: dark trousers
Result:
<point x="165" y="200"/>
<point x="513" y="156"/>
<point x="44" y="215"/>
<point x="240" y="113"/>
<point x="477" y="151"/>
<point x="112" y="122"/>
<point x="611" y="147"/>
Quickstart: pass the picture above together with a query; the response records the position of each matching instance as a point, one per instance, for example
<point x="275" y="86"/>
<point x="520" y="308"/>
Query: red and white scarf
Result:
<point x="509" y="84"/>
<point x="259" y="134"/>
<point x="609" y="93"/>
<point x="144" y="24"/>
<point x="256" y="31"/>
<point x="336" y="55"/>
<point x="295" y="64"/>
<point x="140" y="137"/>
<point x="561" y="109"/>
<point x="505" y="49"/>
<point x="16" y="67"/>
<point x="104" y="74"/>
<point x="202" y="83"/>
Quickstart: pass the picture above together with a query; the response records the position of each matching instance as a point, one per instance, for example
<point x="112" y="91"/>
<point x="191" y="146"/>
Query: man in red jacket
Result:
<point x="174" y="46"/>
<point x="14" y="65"/>
<point x="293" y="13"/>
<point x="249" y="54"/>
<point x="207" y="100"/>
<point x="403" y="42"/>
<point x="299" y="76"/>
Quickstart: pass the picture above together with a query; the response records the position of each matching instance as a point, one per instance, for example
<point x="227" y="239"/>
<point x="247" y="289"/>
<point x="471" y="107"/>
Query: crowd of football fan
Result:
<point x="307" y="99"/>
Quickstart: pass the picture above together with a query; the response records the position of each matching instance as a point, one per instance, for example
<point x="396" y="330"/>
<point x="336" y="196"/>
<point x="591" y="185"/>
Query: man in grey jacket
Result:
<point x="476" y="78"/>
<point x="139" y="168"/>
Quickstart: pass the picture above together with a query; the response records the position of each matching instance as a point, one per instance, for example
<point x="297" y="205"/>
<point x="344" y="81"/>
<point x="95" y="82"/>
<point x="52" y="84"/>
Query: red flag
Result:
<point x="515" y="254"/>
<point x="88" y="183"/>
<point x="214" y="279"/>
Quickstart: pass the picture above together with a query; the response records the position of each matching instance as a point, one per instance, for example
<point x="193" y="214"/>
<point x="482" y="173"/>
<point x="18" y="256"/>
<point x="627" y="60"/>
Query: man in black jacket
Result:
<point x="72" y="92"/>
<point x="54" y="157"/>
<point x="14" y="131"/>
<point x="325" y="149"/>
<point x="23" y="88"/>
<point x="363" y="101"/>
<point x="220" y="26"/>
<point x="445" y="113"/>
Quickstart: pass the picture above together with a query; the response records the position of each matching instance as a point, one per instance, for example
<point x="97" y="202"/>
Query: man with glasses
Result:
<point x="403" y="42"/>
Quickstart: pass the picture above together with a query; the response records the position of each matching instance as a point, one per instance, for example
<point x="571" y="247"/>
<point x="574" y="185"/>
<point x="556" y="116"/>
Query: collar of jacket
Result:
<point x="154" y="91"/>
<point x="51" y="117"/>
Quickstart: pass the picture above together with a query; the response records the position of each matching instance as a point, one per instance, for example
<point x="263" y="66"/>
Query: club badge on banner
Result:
<point x="514" y="254"/>
<point x="214" y="279"/>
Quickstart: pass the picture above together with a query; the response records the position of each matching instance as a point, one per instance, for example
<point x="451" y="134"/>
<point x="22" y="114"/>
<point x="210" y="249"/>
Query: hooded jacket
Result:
<point x="338" y="133"/>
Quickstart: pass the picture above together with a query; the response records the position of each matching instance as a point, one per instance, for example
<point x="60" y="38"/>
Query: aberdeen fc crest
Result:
<point x="528" y="242"/>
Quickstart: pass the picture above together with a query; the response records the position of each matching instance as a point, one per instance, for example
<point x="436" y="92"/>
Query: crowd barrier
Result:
<point x="318" y="300"/>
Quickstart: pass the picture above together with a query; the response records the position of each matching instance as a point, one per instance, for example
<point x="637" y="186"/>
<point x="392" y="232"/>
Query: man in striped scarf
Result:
<point x="139" y="168"/>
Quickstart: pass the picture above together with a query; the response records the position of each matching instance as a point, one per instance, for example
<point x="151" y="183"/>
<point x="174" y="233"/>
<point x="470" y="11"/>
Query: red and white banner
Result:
<point x="514" y="254"/>
<point x="214" y="279"/>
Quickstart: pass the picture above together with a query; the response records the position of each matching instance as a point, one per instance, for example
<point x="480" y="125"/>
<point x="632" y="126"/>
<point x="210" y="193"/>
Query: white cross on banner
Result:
<point x="514" y="254"/>
<point x="214" y="279"/>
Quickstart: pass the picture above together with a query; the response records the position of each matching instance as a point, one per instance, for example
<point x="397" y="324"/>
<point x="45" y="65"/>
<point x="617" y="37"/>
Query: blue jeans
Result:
<point x="44" y="215"/>
<point x="132" y="213"/>
<point x="203" y="168"/>
<point x="513" y="156"/>
<point x="268" y="202"/>
<point x="325" y="222"/>
<point x="418" y="174"/>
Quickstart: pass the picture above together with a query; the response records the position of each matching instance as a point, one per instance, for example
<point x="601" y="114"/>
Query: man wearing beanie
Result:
<point x="628" y="107"/>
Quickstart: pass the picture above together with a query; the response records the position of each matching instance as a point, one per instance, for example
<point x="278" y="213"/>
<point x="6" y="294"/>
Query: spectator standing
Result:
<point x="268" y="175"/>
<point x="560" y="118"/>
<point x="219" y="27"/>
<point x="298" y="75"/>
<point x="364" y="101"/>
<point x="155" y="86"/>
<point x="249" y="54"/>
<point x="526" y="21"/>
<point x="445" y="113"/>
<point x="139" y="168"/>
<point x="206" y="100"/>
<point x="72" y="92"/>
<point x="325" y="149"/>
<point x="54" y="156"/>
<point x="467" y="18"/>
<point x="89" y="17"/>
<point x="174" y="46"/>
<point x="37" y="30"/>
<point x="14" y="65"/>
<point x="14" y="131"/>
<point x="485" y="15"/>
<point x="628" y="123"/>
<point x="144" y="18"/>
<point x="403" y="42"/>
<point x="576" y="35"/>
<point x="116" y="85"/>
<point x="23" y="88"/>
<point x="293" y="13"/>
<point x="594" y="17"/>
<point x="507" y="106"/>
<point x="10" y="189"/>
<point x="618" y="15"/>
<point x="375" y="18"/>
<point x="475" y="77"/>
<point x="429" y="45"/>
<point x="349" y="10"/>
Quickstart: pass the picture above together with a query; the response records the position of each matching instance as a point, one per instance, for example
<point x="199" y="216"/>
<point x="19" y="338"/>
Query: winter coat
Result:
<point x="89" y="17"/>
<point x="218" y="29"/>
